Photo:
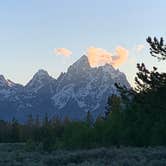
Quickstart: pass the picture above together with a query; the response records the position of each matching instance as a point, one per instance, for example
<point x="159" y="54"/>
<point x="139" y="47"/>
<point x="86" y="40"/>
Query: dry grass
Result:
<point x="17" y="155"/>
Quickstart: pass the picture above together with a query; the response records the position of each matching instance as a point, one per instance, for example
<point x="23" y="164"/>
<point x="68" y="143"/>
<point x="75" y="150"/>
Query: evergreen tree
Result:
<point x="46" y="120"/>
<point x="113" y="104"/>
<point x="14" y="131"/>
<point x="89" y="118"/>
<point x="30" y="120"/>
<point x="157" y="48"/>
<point x="37" y="121"/>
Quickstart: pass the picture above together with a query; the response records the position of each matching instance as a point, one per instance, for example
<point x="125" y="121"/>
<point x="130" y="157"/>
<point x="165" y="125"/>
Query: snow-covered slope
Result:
<point x="84" y="89"/>
<point x="39" y="81"/>
<point x="72" y="94"/>
<point x="8" y="88"/>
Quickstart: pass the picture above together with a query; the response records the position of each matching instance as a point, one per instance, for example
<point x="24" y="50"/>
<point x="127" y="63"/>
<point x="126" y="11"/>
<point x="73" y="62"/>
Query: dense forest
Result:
<point x="137" y="118"/>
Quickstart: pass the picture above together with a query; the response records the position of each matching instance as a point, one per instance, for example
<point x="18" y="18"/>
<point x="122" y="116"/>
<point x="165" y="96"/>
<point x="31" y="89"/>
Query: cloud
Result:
<point x="100" y="56"/>
<point x="121" y="56"/>
<point x="139" y="48"/>
<point x="63" y="51"/>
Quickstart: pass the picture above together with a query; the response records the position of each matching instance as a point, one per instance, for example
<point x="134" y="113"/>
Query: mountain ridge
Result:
<point x="80" y="90"/>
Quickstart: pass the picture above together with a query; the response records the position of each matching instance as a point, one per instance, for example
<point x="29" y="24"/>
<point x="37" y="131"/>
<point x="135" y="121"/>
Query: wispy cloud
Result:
<point x="140" y="47"/>
<point x="62" y="51"/>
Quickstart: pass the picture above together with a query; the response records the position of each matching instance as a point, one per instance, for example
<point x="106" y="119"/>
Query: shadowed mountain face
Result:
<point x="72" y="94"/>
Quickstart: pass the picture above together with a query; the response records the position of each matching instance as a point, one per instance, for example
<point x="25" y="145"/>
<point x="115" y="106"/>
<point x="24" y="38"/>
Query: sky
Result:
<point x="31" y="31"/>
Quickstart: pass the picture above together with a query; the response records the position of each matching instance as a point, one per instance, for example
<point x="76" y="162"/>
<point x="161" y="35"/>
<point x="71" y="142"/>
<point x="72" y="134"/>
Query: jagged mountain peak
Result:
<point x="86" y="88"/>
<point x="41" y="73"/>
<point x="6" y="82"/>
<point x="81" y="64"/>
<point x="83" y="60"/>
<point x="39" y="80"/>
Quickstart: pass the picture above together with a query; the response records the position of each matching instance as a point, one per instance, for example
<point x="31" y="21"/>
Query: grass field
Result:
<point x="18" y="155"/>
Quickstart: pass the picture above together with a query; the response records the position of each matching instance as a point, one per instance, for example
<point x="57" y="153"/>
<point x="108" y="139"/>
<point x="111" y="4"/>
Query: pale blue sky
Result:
<point x="30" y="30"/>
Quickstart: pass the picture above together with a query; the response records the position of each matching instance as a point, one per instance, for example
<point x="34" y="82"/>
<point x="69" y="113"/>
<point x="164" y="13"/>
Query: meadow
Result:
<point x="17" y="154"/>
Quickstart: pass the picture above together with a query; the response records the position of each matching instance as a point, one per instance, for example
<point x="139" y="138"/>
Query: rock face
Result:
<point x="72" y="94"/>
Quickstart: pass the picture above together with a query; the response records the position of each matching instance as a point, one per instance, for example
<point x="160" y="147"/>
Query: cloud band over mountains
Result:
<point x="99" y="56"/>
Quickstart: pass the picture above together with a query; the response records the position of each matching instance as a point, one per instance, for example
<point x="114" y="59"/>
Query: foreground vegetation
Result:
<point x="17" y="155"/>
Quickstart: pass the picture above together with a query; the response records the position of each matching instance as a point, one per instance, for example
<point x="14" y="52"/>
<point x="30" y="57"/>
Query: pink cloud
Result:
<point x="63" y="51"/>
<point x="100" y="56"/>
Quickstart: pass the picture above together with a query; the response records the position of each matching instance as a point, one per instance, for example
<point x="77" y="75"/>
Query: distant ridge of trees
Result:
<point x="137" y="118"/>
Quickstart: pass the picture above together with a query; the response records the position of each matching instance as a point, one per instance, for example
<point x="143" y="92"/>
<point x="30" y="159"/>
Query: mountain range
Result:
<point x="74" y="93"/>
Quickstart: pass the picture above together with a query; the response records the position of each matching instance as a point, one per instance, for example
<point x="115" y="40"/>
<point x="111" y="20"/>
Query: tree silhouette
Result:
<point x="149" y="80"/>
<point x="157" y="48"/>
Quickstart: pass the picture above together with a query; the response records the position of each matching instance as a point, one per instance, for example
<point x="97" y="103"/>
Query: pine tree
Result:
<point x="89" y="118"/>
<point x="46" y="121"/>
<point x="30" y="121"/>
<point x="149" y="80"/>
<point x="157" y="48"/>
<point x="113" y="104"/>
<point x="14" y="130"/>
<point x="37" y="121"/>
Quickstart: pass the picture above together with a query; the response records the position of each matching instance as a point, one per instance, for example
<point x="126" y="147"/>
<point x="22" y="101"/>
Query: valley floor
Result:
<point x="17" y="155"/>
